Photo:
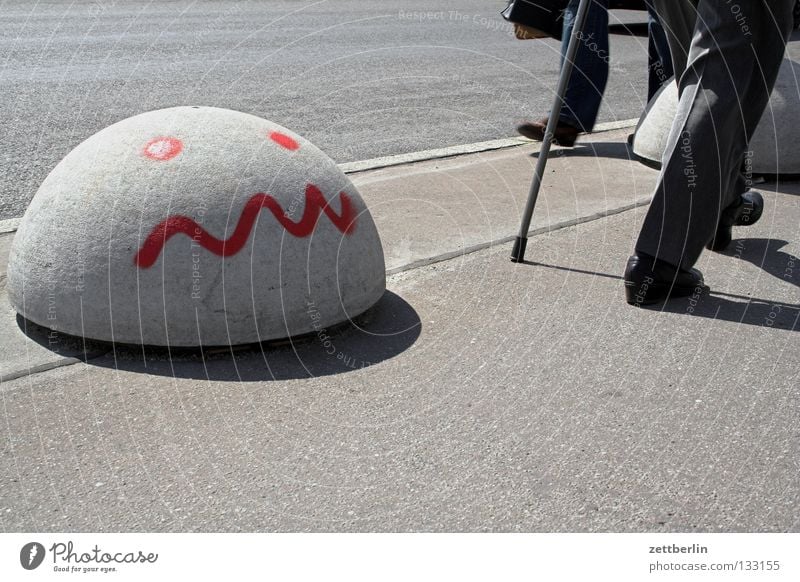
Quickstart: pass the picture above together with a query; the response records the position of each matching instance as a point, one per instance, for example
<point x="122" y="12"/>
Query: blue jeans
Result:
<point x="589" y="77"/>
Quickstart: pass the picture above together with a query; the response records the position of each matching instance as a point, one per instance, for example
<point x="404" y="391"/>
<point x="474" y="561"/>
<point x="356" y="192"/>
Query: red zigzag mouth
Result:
<point x="316" y="204"/>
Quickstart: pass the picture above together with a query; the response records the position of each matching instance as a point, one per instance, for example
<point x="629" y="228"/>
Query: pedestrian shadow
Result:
<point x="595" y="149"/>
<point x="765" y="254"/>
<point x="723" y="306"/>
<point x="736" y="309"/>
<point x="381" y="333"/>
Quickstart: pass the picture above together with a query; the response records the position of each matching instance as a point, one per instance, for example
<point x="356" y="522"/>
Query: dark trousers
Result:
<point x="726" y="56"/>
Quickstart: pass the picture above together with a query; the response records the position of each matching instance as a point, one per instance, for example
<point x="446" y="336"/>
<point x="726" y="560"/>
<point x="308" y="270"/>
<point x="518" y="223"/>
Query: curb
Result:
<point x="459" y="150"/>
<point x="11" y="224"/>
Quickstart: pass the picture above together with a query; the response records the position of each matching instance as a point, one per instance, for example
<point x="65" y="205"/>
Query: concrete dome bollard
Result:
<point x="195" y="226"/>
<point x="773" y="146"/>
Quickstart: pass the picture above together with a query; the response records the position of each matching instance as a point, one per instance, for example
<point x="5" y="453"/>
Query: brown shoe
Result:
<point x="564" y="135"/>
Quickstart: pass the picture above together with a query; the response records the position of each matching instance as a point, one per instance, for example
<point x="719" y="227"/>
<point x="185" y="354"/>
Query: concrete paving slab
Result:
<point x="503" y="398"/>
<point x="430" y="208"/>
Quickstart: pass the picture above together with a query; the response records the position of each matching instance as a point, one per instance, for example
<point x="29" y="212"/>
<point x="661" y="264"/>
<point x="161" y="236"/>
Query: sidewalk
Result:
<point x="480" y="395"/>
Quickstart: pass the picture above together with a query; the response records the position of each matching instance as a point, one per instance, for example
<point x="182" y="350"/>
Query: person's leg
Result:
<point x="732" y="65"/>
<point x="589" y="77"/>
<point x="659" y="59"/>
<point x="588" y="81"/>
<point x="678" y="18"/>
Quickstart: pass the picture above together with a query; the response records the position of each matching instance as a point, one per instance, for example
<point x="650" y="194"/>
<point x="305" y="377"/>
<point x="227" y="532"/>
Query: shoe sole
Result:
<point x="657" y="292"/>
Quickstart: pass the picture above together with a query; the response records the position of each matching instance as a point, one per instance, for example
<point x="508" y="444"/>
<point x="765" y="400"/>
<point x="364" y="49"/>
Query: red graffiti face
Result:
<point x="163" y="148"/>
<point x="284" y="140"/>
<point x="316" y="205"/>
<point x="166" y="148"/>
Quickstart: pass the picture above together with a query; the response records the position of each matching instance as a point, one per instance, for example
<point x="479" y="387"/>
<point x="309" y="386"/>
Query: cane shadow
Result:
<point x="595" y="149"/>
<point x="383" y="332"/>
<point x="714" y="305"/>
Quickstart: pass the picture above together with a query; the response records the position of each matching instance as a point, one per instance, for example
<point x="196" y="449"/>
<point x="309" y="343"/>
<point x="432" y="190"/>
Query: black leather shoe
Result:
<point x="649" y="280"/>
<point x="745" y="212"/>
<point x="564" y="134"/>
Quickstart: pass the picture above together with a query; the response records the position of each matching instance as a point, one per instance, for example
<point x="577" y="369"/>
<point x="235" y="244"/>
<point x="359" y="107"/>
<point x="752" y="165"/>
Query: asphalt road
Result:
<point x="360" y="79"/>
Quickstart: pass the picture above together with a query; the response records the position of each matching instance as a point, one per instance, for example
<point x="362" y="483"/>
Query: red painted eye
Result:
<point x="284" y="140"/>
<point x="163" y="148"/>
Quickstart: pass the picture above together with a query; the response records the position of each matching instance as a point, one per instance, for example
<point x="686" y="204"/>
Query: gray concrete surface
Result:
<point x="432" y="208"/>
<point x="21" y="354"/>
<point x="359" y="79"/>
<point x="479" y="395"/>
<point x="194" y="226"/>
<point x="426" y="211"/>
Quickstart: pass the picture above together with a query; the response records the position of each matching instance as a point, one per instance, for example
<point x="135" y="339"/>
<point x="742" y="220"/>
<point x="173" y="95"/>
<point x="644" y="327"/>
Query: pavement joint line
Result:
<point x="47" y="366"/>
<point x="10" y="225"/>
<point x="533" y="233"/>
<point x="63" y="362"/>
<point x="38" y="369"/>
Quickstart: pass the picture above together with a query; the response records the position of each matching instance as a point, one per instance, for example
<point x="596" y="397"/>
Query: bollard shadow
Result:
<point x="717" y="305"/>
<point x="384" y="331"/>
<point x="62" y="344"/>
<point x="594" y="149"/>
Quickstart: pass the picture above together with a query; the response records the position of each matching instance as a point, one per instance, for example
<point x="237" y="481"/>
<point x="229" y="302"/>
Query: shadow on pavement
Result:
<point x="383" y="332"/>
<point x="722" y="306"/>
<point x="593" y="149"/>
<point x="764" y="253"/>
<point x="748" y="310"/>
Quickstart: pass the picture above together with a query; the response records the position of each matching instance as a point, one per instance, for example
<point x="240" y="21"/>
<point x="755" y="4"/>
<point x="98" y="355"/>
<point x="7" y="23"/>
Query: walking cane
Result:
<point x="518" y="253"/>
